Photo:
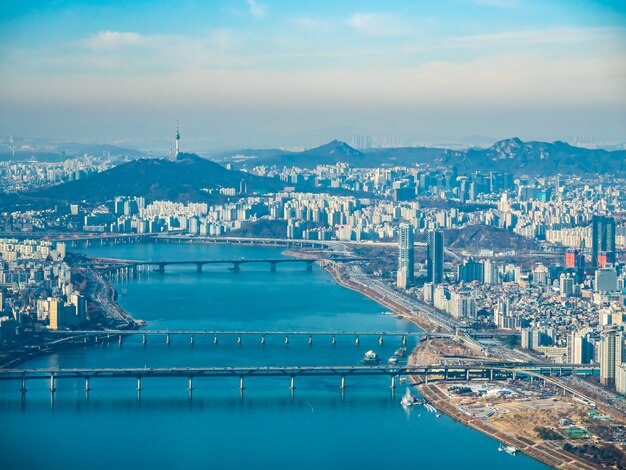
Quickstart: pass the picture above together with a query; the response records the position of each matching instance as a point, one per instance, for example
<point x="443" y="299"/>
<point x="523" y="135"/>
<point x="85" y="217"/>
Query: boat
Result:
<point x="402" y="380"/>
<point x="410" y="400"/>
<point x="438" y="415"/>
<point x="511" y="450"/>
<point x="392" y="360"/>
<point x="400" y="352"/>
<point x="386" y="312"/>
<point x="430" y="407"/>
<point x="370" y="358"/>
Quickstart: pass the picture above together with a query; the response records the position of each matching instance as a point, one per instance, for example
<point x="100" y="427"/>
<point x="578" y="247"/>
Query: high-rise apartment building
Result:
<point x="611" y="351"/>
<point x="405" y="256"/>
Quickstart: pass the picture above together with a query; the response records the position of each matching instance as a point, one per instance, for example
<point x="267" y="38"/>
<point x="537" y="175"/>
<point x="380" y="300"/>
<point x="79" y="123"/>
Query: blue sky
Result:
<point x="271" y="73"/>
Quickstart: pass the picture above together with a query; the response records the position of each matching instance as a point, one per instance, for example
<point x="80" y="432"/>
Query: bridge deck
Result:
<point x="285" y="371"/>
<point x="248" y="333"/>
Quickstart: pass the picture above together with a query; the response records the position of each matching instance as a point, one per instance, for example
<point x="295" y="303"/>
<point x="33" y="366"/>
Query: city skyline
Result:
<point x="262" y="73"/>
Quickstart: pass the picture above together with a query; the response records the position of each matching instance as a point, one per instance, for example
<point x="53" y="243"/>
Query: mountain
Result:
<point x="336" y="149"/>
<point x="509" y="155"/>
<point x="185" y="179"/>
<point x="515" y="156"/>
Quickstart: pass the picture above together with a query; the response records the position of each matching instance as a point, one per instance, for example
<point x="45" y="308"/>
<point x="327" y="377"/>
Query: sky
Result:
<point x="269" y="73"/>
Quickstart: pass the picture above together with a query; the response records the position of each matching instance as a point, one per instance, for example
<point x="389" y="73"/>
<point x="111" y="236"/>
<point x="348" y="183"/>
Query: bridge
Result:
<point x="261" y="335"/>
<point x="426" y="373"/>
<point x="114" y="263"/>
<point x="240" y="334"/>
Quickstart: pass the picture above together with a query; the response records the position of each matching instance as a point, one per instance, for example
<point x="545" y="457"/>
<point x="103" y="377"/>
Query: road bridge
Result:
<point x="427" y="373"/>
<point x="115" y="263"/>
<point x="240" y="335"/>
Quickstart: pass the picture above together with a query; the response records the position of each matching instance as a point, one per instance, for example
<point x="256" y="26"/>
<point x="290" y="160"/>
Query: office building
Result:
<point x="602" y="240"/>
<point x="434" y="261"/>
<point x="471" y="270"/>
<point x="605" y="280"/>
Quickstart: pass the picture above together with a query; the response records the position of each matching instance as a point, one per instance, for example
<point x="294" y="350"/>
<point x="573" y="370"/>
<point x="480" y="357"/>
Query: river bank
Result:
<point x="544" y="452"/>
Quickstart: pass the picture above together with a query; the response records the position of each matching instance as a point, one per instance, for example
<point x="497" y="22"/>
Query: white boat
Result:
<point x="392" y="360"/>
<point x="410" y="400"/>
<point x="511" y="450"/>
<point x="430" y="407"/>
<point x="400" y="352"/>
<point x="370" y="358"/>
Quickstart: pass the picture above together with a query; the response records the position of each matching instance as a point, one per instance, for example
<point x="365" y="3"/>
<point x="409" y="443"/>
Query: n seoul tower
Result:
<point x="177" y="140"/>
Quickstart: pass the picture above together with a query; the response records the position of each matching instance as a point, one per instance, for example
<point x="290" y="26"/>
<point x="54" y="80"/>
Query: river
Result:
<point x="266" y="427"/>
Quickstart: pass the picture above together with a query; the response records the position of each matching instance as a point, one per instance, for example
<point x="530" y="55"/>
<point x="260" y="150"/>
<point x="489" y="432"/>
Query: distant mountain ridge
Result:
<point x="509" y="155"/>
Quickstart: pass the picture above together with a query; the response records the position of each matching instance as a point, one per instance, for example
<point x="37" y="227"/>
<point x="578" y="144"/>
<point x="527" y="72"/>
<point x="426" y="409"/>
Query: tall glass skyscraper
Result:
<point x="602" y="240"/>
<point x="434" y="261"/>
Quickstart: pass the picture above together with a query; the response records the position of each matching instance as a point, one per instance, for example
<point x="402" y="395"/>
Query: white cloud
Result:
<point x="256" y="10"/>
<point x="378" y="24"/>
<point x="115" y="39"/>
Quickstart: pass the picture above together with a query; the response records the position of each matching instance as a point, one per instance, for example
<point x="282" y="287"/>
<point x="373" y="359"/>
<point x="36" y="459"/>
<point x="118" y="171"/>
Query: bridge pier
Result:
<point x="292" y="385"/>
<point x="343" y="382"/>
<point x="241" y="382"/>
<point x="87" y="389"/>
<point x="190" y="386"/>
<point x="52" y="387"/>
<point x="139" y="384"/>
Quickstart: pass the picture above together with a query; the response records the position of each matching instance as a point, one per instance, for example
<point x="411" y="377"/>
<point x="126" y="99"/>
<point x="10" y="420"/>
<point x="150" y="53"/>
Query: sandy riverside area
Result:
<point x="516" y="428"/>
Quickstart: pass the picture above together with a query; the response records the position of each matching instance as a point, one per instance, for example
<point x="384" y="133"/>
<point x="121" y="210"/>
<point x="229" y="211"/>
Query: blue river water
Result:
<point x="266" y="426"/>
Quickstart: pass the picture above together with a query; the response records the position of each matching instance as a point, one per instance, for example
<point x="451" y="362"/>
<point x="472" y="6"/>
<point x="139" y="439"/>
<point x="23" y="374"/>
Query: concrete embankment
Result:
<point x="399" y="309"/>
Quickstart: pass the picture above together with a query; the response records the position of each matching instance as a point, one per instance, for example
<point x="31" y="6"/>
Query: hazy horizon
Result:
<point x="273" y="74"/>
